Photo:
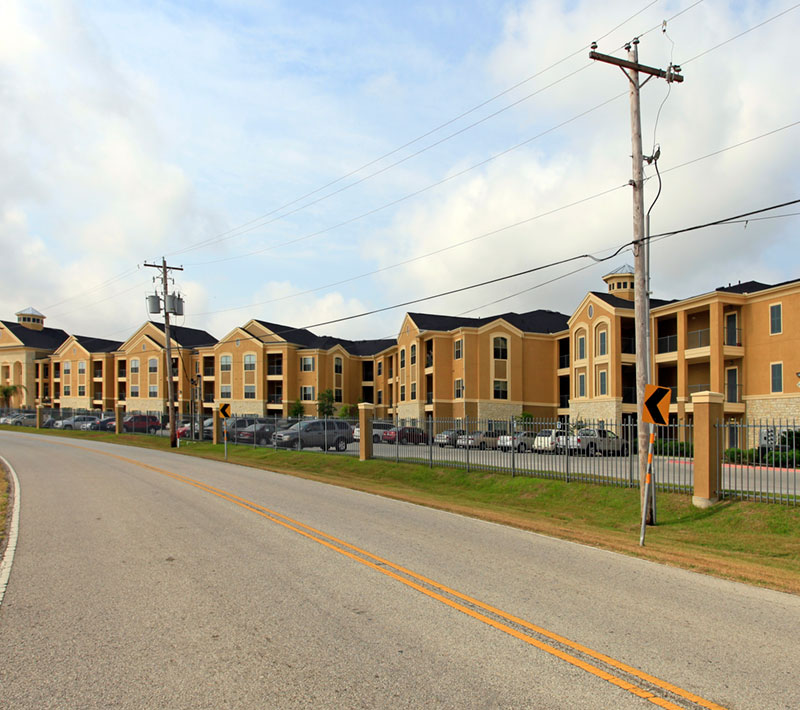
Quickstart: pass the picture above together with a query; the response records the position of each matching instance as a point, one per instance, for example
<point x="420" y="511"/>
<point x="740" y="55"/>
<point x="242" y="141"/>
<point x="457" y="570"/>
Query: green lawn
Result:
<point x="757" y="543"/>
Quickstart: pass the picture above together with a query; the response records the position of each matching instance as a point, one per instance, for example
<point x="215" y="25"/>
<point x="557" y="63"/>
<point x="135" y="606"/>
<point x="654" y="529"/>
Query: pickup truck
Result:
<point x="592" y="442"/>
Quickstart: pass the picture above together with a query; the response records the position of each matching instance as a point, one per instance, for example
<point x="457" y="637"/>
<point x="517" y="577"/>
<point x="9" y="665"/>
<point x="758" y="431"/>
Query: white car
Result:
<point x="377" y="431"/>
<point x="546" y="440"/>
<point x="75" y="422"/>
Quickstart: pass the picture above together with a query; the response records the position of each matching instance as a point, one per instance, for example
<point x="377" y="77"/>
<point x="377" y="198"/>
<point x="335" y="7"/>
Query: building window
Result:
<point x="153" y="390"/>
<point x="603" y="384"/>
<point x="459" y="389"/>
<point x="67" y="367"/>
<point x="380" y="396"/>
<point x="581" y="347"/>
<point x="402" y="393"/>
<point x="135" y="366"/>
<point x="458" y="348"/>
<point x="81" y="390"/>
<point x="249" y="391"/>
<point x="337" y="366"/>
<point x="501" y="349"/>
<point x="602" y="343"/>
<point x="380" y="367"/>
<point x="413" y="354"/>
<point x="306" y="364"/>
<point x="225" y="363"/>
<point x="776" y="370"/>
<point x="402" y="358"/>
<point x="775" y="320"/>
<point x="581" y="385"/>
<point x="337" y="394"/>
<point x="66" y="390"/>
<point x="500" y="389"/>
<point x="224" y="391"/>
<point x="82" y="367"/>
<point x="134" y="390"/>
<point x="152" y="365"/>
<point x="249" y="362"/>
<point x="307" y="394"/>
<point x="413" y="390"/>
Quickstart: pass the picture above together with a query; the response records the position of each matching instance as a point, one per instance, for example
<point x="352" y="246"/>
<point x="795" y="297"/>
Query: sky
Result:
<point x="306" y="161"/>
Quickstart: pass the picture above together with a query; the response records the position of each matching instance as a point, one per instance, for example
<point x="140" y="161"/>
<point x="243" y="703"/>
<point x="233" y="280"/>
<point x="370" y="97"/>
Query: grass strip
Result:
<point x="756" y="543"/>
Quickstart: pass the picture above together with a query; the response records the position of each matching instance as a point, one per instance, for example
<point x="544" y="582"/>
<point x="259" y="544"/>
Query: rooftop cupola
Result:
<point x="31" y="318"/>
<point x="620" y="282"/>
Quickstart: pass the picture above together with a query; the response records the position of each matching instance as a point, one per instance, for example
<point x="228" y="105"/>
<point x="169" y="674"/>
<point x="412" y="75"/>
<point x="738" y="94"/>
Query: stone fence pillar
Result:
<point x="365" y="412"/>
<point x="119" y="412"/>
<point x="708" y="411"/>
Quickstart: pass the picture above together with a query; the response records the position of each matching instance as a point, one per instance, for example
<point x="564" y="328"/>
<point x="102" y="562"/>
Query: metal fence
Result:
<point x="588" y="451"/>
<point x="760" y="460"/>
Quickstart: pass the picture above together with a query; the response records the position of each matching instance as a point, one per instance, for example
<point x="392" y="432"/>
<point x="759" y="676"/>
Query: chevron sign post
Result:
<point x="655" y="412"/>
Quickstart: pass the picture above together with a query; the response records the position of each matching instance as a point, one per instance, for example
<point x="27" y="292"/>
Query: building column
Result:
<point x="708" y="411"/>
<point x="39" y="415"/>
<point x="216" y="425"/>
<point x="119" y="410"/>
<point x="365" y="416"/>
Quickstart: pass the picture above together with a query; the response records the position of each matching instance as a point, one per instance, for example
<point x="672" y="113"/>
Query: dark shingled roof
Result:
<point x="307" y="339"/>
<point x="98" y="345"/>
<point x="540" y="321"/>
<point x="44" y="339"/>
<point x="188" y="337"/>
<point x="618" y="302"/>
<point x="752" y="286"/>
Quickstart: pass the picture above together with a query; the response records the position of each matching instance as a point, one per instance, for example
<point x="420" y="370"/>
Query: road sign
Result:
<point x="656" y="404"/>
<point x="225" y="410"/>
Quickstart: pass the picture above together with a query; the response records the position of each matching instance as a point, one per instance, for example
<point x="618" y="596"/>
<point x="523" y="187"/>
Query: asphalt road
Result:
<point x="144" y="579"/>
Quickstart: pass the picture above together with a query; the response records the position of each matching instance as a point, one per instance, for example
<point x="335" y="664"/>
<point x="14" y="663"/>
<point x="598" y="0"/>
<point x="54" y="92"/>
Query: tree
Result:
<point x="297" y="410"/>
<point x="7" y="392"/>
<point x="348" y="411"/>
<point x="325" y="406"/>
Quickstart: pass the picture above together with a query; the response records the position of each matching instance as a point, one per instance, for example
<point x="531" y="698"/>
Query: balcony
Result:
<point x="429" y="398"/>
<point x="97" y="374"/>
<point x="732" y="337"/>
<point x="563" y="400"/>
<point x="628" y="345"/>
<point x="667" y="344"/>
<point x="208" y="371"/>
<point x="428" y="360"/>
<point x="208" y="397"/>
<point x="629" y="395"/>
<point x="274" y="399"/>
<point x="698" y="339"/>
<point x="705" y="387"/>
<point x="275" y="370"/>
<point x="733" y="394"/>
<point x="563" y="361"/>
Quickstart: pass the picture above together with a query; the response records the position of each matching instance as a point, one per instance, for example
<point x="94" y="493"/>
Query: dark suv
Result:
<point x="141" y="422"/>
<point x="325" y="433"/>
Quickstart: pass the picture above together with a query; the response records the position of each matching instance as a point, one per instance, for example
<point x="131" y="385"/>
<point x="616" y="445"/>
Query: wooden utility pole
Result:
<point x="641" y="278"/>
<point x="173" y="437"/>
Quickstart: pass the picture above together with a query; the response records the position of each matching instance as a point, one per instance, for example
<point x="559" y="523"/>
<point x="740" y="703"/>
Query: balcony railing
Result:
<point x="208" y="397"/>
<point x="428" y="359"/>
<point x="174" y="371"/>
<point x="732" y="336"/>
<point x="699" y="388"/>
<point x="274" y="399"/>
<point x="275" y="369"/>
<point x="628" y="345"/>
<point x="429" y="398"/>
<point x="668" y="344"/>
<point x="563" y="360"/>
<point x="563" y="401"/>
<point x="733" y="393"/>
<point x="97" y="373"/>
<point x="698" y="338"/>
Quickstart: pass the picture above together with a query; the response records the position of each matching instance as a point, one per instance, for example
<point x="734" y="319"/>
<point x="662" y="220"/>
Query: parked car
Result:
<point x="261" y="430"/>
<point x="325" y="433"/>
<point x="478" y="440"/>
<point x="8" y="416"/>
<point x="75" y="422"/>
<point x="546" y="440"/>
<point x="100" y="424"/>
<point x="141" y="422"/>
<point x="448" y="437"/>
<point x="377" y="431"/>
<point x="521" y="441"/>
<point x="27" y="419"/>
<point x="404" y="435"/>
<point x="595" y="442"/>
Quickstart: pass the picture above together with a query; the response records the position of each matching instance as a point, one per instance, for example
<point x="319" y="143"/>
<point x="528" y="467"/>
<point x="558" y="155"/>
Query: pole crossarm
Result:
<point x="670" y="74"/>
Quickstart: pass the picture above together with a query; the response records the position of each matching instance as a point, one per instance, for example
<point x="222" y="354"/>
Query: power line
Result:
<point x="251" y="224"/>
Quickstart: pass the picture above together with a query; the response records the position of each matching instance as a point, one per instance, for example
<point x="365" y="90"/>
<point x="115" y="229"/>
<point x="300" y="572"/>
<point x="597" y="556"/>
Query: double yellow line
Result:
<point x="416" y="581"/>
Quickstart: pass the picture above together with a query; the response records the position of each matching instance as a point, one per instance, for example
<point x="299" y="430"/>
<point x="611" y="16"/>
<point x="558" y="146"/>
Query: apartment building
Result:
<point x="742" y="340"/>
<point x="25" y="347"/>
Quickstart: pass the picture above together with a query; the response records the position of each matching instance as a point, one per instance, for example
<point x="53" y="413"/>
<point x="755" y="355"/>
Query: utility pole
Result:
<point x="173" y="439"/>
<point x="641" y="278"/>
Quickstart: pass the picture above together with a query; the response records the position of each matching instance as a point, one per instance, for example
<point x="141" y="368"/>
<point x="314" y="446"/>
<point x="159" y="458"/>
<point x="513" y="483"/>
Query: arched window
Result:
<point x="250" y="362"/>
<point x="337" y="365"/>
<point x="225" y="363"/>
<point x="152" y="365"/>
<point x="134" y="365"/>
<point x="501" y="348"/>
<point x="413" y="354"/>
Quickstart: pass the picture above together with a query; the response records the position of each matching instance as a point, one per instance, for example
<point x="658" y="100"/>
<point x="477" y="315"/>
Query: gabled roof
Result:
<point x="617" y="302"/>
<point x="540" y="321"/>
<point x="752" y="286"/>
<point x="188" y="337"/>
<point x="307" y="339"/>
<point x="367" y="347"/>
<point x="298" y="336"/>
<point x="44" y="339"/>
<point x="98" y="345"/>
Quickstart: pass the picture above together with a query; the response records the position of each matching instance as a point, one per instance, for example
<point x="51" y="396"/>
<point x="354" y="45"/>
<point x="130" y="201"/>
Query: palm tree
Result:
<point x="7" y="392"/>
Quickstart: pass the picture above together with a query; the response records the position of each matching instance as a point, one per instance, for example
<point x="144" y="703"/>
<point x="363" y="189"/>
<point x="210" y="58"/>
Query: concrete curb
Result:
<point x="13" y="530"/>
